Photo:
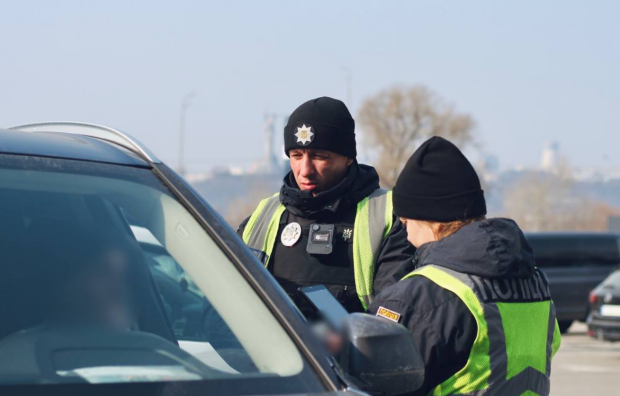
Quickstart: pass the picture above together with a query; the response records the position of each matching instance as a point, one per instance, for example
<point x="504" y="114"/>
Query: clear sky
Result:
<point x="528" y="71"/>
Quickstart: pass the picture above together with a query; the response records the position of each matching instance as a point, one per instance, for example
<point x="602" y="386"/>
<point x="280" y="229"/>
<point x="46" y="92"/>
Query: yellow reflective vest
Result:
<point x="515" y="342"/>
<point x="373" y="221"/>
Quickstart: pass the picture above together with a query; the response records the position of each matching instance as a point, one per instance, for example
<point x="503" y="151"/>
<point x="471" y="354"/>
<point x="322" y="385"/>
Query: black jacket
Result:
<point x="293" y="267"/>
<point x="443" y="327"/>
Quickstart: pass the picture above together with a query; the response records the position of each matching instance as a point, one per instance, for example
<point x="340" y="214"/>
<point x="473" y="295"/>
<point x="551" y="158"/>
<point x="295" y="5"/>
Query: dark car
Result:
<point x="575" y="263"/>
<point x="116" y="277"/>
<point x="604" y="318"/>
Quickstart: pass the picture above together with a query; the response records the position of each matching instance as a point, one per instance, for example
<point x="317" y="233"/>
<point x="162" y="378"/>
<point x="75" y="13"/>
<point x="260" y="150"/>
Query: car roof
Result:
<point x="571" y="235"/>
<point x="68" y="146"/>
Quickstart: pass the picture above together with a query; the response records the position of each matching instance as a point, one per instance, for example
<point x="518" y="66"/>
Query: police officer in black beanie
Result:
<point x="479" y="310"/>
<point x="330" y="223"/>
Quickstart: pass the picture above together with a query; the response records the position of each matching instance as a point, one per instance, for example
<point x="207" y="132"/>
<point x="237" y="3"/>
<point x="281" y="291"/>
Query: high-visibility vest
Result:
<point x="373" y="221"/>
<point x="512" y="352"/>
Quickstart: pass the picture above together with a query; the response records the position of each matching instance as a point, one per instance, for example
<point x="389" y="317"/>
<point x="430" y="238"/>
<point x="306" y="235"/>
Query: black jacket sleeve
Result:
<point x="395" y="259"/>
<point x="442" y="326"/>
<point x="242" y="227"/>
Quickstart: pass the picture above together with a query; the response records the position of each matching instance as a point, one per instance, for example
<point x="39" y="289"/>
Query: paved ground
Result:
<point x="585" y="366"/>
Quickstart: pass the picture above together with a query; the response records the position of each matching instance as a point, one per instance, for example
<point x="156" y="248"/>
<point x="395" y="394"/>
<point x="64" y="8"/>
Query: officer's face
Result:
<point x="419" y="232"/>
<point x="318" y="170"/>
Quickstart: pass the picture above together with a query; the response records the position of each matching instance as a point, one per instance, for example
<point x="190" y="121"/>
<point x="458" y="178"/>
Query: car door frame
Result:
<point x="263" y="283"/>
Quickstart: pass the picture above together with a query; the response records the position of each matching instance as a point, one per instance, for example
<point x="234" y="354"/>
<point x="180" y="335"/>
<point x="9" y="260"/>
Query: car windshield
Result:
<point x="107" y="278"/>
<point x="612" y="281"/>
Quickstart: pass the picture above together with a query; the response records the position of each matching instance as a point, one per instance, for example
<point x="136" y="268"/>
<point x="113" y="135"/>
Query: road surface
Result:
<point x="585" y="366"/>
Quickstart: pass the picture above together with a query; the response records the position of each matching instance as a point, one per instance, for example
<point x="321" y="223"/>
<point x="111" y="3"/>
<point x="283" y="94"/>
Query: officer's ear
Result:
<point x="350" y="161"/>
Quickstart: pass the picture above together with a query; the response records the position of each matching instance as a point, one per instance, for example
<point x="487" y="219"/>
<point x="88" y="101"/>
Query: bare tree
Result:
<point x="540" y="202"/>
<point x="600" y="212"/>
<point x="397" y="120"/>
<point x="242" y="206"/>
<point x="550" y="202"/>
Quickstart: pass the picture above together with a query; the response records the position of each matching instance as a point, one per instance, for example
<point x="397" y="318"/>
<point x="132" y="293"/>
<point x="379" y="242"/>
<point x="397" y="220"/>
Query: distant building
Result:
<point x="550" y="158"/>
<point x="271" y="164"/>
<point x="232" y="188"/>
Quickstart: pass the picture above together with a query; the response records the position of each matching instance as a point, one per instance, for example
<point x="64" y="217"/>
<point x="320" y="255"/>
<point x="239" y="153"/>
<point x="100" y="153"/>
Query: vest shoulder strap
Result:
<point x="373" y="222"/>
<point x="261" y="230"/>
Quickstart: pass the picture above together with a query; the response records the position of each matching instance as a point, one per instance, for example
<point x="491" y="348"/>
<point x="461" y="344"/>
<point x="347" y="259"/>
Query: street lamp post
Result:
<point x="185" y="103"/>
<point x="349" y="83"/>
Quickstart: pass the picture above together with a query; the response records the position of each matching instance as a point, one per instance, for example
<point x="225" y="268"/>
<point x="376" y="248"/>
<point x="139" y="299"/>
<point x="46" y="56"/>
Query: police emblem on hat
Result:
<point x="291" y="234"/>
<point x="304" y="134"/>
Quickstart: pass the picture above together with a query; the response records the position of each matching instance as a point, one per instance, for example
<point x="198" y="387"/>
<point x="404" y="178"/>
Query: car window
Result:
<point x="558" y="251"/>
<point x="183" y="301"/>
<point x="108" y="278"/>
<point x="612" y="281"/>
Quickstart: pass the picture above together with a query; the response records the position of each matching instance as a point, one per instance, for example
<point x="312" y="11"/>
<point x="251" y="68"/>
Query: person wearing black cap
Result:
<point x="477" y="307"/>
<point x="330" y="223"/>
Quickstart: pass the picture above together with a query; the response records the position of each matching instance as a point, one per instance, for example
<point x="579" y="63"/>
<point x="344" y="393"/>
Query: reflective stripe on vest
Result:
<point x="373" y="222"/>
<point x="511" y="355"/>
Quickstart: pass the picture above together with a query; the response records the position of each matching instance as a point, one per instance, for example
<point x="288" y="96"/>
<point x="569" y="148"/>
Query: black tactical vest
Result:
<point x="294" y="267"/>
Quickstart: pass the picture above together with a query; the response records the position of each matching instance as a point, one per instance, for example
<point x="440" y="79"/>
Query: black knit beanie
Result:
<point x="438" y="184"/>
<point x="322" y="123"/>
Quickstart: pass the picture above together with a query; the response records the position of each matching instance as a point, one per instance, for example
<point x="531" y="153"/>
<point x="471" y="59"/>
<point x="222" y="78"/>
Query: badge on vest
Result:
<point x="321" y="238"/>
<point x="291" y="234"/>
<point x="346" y="234"/>
<point x="388" y="314"/>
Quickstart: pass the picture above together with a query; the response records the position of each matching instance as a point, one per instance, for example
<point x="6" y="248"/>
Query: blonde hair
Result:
<point x="443" y="230"/>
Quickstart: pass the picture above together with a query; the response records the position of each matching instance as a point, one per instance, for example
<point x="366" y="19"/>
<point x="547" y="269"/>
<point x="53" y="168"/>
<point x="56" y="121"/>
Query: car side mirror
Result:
<point x="184" y="284"/>
<point x="381" y="354"/>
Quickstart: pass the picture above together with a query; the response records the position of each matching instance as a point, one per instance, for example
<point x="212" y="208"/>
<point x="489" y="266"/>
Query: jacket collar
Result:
<point x="360" y="181"/>
<point x="492" y="248"/>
